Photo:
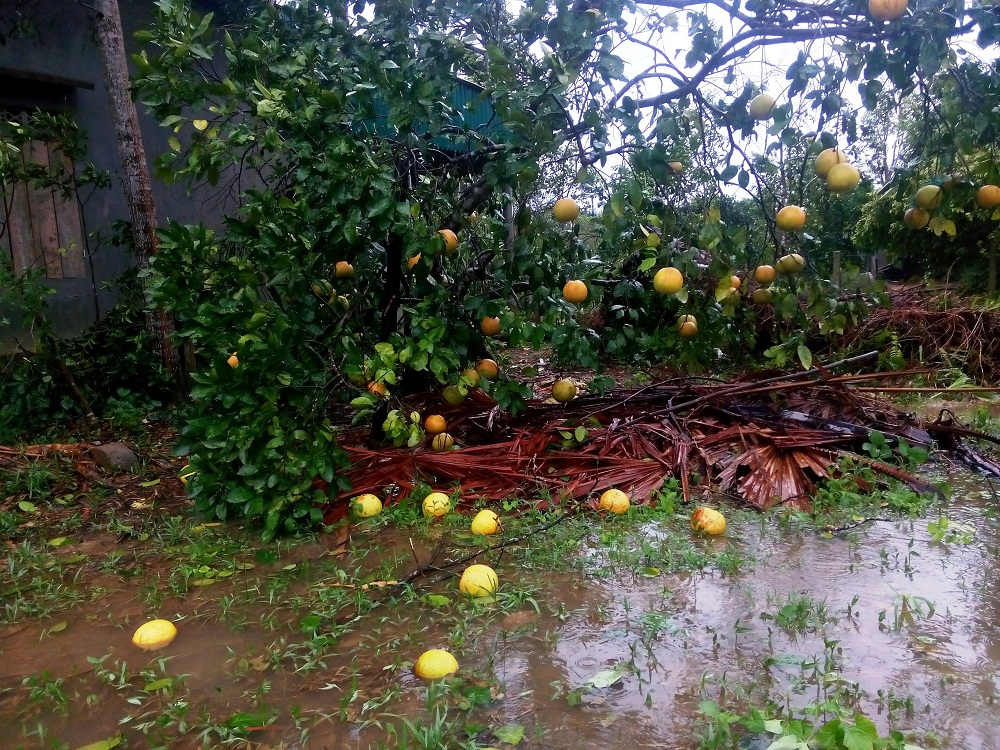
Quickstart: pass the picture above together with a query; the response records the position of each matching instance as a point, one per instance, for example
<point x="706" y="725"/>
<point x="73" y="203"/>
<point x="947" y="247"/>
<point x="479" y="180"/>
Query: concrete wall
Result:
<point x="60" y="46"/>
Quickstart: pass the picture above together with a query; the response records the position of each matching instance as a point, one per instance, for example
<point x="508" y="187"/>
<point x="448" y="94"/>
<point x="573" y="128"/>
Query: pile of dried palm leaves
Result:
<point x="765" y="441"/>
<point x="933" y="327"/>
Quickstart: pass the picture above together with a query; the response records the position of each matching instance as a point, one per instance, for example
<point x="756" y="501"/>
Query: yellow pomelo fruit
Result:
<point x="473" y="375"/>
<point x="479" y="580"/>
<point x="916" y="218"/>
<point x="791" y="264"/>
<point x="154" y="635"/>
<point x="436" y="504"/>
<point x="735" y="282"/>
<point x="677" y="166"/>
<point x="442" y="442"/>
<point x="887" y="10"/>
<point x="487" y="368"/>
<point x="687" y="326"/>
<point x="435" y="664"/>
<point x="761" y="107"/>
<point x="764" y="275"/>
<point x="575" y="291"/>
<point x="791" y="218"/>
<point x="988" y="196"/>
<point x="565" y="210"/>
<point x="843" y="178"/>
<point x="490" y="326"/>
<point x="450" y="241"/>
<point x="614" y="501"/>
<point x="563" y="390"/>
<point x="928" y="197"/>
<point x="452" y="395"/>
<point x="435" y="424"/>
<point x="366" y="506"/>
<point x="485" y="523"/>
<point x="668" y="280"/>
<point x="233" y="360"/>
<point x="762" y="296"/>
<point x="708" y="521"/>
<point x="343" y="269"/>
<point x="413" y="261"/>
<point x="827" y="160"/>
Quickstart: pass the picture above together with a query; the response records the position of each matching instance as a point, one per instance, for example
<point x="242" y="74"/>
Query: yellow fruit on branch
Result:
<point x="916" y="218"/>
<point x="154" y="635"/>
<point x="485" y="523"/>
<point x="442" y="442"/>
<point x="668" y="280"/>
<point x="887" y="10"/>
<point x="377" y="389"/>
<point x="614" y="501"/>
<point x="343" y="269"/>
<point x="764" y="275"/>
<point x="791" y="264"/>
<point x="575" y="291"/>
<point x="233" y="360"/>
<point x="565" y="210"/>
<point x="928" y="197"/>
<point x="761" y="107"/>
<point x="708" y="521"/>
<point x="473" y="375"/>
<point x="687" y="326"/>
<point x="479" y="580"/>
<point x="843" y="178"/>
<point x="366" y="506"/>
<point x="563" y="390"/>
<point x="488" y="369"/>
<point x="436" y="504"/>
<point x="677" y="166"/>
<point x="450" y="240"/>
<point x="453" y="395"/>
<point x="827" y="160"/>
<point x="490" y="326"/>
<point x="988" y="196"/>
<point x="735" y="282"/>
<point x="435" y="664"/>
<point x="413" y="261"/>
<point x="791" y="218"/>
<point x="762" y="296"/>
<point x="435" y="424"/>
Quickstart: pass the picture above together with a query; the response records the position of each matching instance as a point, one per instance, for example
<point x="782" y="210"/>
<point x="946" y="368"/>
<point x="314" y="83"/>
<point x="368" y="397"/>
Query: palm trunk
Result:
<point x="135" y="171"/>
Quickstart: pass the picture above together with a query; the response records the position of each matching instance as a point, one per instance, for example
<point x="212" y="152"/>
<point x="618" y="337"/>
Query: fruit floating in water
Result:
<point x="479" y="580"/>
<point x="154" y="635"/>
<point x="485" y="523"/>
<point x="435" y="664"/>
<point x="708" y="521"/>
<point x="436" y="504"/>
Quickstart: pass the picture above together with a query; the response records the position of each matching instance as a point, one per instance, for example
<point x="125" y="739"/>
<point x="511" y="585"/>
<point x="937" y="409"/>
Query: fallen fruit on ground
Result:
<point x="988" y="196"/>
<point x="442" y="442"/>
<point x="154" y="635"/>
<point x="563" y="390"/>
<point x="886" y="10"/>
<point x="687" y="326"/>
<point x="762" y="296"/>
<point x="233" y="360"/>
<point x="827" y="160"/>
<point x="487" y="368"/>
<point x="843" y="178"/>
<point x="565" y="210"/>
<point x="575" y="291"/>
<point x="764" y="275"/>
<point x="708" y="521"/>
<point x="791" y="218"/>
<point x="614" y="501"/>
<point x="435" y="424"/>
<point x="366" y="506"/>
<point x="377" y="389"/>
<point x="761" y="107"/>
<point x="668" y="280"/>
<point x="479" y="580"/>
<point x="485" y="523"/>
<point x="435" y="664"/>
<point x="916" y="218"/>
<point x="928" y="197"/>
<point x="450" y="240"/>
<point x="436" y="504"/>
<point x="453" y="396"/>
<point x="490" y="326"/>
<point x="343" y="269"/>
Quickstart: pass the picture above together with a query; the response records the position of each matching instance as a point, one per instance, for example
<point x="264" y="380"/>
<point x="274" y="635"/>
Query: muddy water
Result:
<point x="906" y="627"/>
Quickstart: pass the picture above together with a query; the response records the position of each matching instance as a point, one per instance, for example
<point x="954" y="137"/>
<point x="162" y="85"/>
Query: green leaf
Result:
<point x="151" y="483"/>
<point x="103" y="744"/>
<point x="59" y="541"/>
<point x="856" y="738"/>
<point x="805" y="356"/>
<point x="27" y="507"/>
<point x="437" y="600"/>
<point x="647" y="264"/>
<point x="606" y="678"/>
<point x="774" y="726"/>
<point x="511" y="734"/>
<point x="159" y="684"/>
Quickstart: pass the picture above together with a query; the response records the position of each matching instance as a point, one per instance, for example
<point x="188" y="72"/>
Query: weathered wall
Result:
<point x="61" y="45"/>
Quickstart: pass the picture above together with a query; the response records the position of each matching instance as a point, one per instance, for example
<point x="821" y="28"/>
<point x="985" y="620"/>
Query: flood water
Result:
<point x="899" y="626"/>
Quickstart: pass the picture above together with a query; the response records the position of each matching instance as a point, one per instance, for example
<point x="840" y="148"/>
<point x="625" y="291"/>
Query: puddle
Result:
<point x="906" y="627"/>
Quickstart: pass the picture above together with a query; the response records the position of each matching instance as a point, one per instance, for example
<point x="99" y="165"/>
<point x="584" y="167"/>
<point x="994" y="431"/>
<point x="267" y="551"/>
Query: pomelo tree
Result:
<point x="354" y="134"/>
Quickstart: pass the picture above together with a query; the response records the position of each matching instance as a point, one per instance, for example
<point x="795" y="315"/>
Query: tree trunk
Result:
<point x="135" y="171"/>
